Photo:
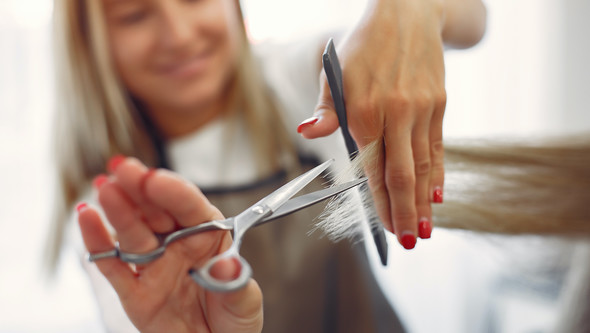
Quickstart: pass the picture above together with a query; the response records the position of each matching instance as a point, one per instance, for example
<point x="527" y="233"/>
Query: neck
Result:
<point x="172" y="123"/>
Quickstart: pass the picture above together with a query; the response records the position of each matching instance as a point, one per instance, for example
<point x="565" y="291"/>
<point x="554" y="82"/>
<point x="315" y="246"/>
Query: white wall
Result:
<point x="28" y="303"/>
<point x="528" y="76"/>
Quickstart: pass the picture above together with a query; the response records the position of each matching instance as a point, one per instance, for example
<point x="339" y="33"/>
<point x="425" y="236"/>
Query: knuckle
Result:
<point x="404" y="215"/>
<point x="423" y="100"/>
<point x="438" y="149"/>
<point x="400" y="100"/>
<point x="441" y="100"/>
<point x="423" y="167"/>
<point x="323" y="104"/>
<point x="400" y="180"/>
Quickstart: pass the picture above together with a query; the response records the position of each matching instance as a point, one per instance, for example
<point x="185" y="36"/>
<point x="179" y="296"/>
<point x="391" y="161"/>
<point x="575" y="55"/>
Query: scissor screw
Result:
<point x="258" y="210"/>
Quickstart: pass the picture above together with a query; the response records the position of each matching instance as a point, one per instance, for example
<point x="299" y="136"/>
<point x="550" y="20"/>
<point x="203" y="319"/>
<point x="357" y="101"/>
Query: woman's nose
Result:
<point x="177" y="28"/>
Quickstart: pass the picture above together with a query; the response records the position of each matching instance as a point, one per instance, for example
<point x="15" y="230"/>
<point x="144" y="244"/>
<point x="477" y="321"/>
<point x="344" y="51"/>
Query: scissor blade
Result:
<point x="309" y="199"/>
<point x="287" y="191"/>
<point x="334" y="76"/>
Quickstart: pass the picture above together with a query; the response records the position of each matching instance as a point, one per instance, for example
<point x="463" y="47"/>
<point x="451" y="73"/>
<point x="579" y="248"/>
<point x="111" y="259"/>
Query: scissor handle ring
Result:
<point x="203" y="277"/>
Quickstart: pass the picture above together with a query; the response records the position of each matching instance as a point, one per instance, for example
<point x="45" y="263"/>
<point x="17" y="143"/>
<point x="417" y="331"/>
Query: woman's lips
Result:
<point x="190" y="67"/>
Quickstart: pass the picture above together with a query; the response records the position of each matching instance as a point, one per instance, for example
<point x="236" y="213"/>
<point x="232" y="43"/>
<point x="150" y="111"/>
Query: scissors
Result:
<point x="277" y="204"/>
<point x="334" y="76"/>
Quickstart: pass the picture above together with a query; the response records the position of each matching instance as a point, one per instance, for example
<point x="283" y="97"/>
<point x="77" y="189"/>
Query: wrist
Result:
<point x="432" y="12"/>
<point x="464" y="22"/>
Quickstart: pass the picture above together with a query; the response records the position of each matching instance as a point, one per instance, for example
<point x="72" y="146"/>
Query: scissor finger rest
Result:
<point x="203" y="276"/>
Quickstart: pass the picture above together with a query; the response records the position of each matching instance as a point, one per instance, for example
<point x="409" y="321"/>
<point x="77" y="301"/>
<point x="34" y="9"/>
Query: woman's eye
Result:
<point x="133" y="17"/>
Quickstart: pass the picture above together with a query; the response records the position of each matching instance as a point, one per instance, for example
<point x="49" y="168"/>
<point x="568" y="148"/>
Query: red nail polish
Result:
<point x="81" y="206"/>
<point x="424" y="228"/>
<point x="437" y="196"/>
<point x="307" y="122"/>
<point x="99" y="180"/>
<point x="114" y="162"/>
<point x="408" y="241"/>
<point x="145" y="177"/>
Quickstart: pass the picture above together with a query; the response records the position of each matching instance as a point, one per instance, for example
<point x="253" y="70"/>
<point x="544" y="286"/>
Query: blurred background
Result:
<point x="528" y="77"/>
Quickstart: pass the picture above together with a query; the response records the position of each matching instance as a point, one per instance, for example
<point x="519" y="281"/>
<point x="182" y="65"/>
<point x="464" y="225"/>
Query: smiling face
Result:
<point x="174" y="55"/>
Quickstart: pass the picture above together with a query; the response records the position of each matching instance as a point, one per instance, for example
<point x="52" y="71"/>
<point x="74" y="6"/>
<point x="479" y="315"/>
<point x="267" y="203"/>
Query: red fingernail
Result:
<point x="408" y="241"/>
<point x="99" y="180"/>
<point x="144" y="178"/>
<point x="81" y="206"/>
<point x="307" y="122"/>
<point x="424" y="228"/>
<point x="437" y="196"/>
<point x="114" y="162"/>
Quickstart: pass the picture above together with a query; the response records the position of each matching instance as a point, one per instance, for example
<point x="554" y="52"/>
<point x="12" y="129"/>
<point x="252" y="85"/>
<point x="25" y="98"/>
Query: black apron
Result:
<point x="309" y="284"/>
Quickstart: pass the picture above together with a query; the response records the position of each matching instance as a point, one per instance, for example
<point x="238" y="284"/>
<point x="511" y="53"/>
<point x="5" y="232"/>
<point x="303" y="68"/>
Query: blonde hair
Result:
<point x="97" y="118"/>
<point x="505" y="187"/>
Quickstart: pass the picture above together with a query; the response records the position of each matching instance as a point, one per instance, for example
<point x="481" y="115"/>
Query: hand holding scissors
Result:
<point x="140" y="204"/>
<point x="273" y="206"/>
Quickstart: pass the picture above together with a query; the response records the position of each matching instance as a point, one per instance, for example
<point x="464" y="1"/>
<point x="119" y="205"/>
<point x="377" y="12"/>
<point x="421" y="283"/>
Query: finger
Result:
<point x="126" y="218"/>
<point x="324" y="121"/>
<point x="130" y="174"/>
<point x="422" y="165"/>
<point x="188" y="206"/>
<point x="97" y="239"/>
<point x="401" y="183"/>
<point x="226" y="269"/>
<point x="437" y="175"/>
<point x="240" y="310"/>
<point x="181" y="199"/>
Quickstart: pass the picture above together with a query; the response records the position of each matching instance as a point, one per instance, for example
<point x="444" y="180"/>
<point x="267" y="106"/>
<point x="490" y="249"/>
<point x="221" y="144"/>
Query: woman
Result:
<point x="174" y="84"/>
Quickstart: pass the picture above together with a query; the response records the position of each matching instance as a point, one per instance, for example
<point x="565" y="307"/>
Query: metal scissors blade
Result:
<point x="284" y="193"/>
<point x="309" y="199"/>
<point x="273" y="201"/>
<point x="334" y="76"/>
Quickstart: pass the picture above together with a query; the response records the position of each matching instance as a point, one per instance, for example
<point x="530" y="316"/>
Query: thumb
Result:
<point x="324" y="121"/>
<point x="241" y="310"/>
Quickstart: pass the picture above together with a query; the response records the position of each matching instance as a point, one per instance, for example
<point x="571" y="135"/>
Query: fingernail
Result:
<point x="437" y="196"/>
<point x="144" y="178"/>
<point x="99" y="180"/>
<point x="81" y="206"/>
<point x="114" y="162"/>
<point x="307" y="122"/>
<point x="408" y="240"/>
<point x="424" y="228"/>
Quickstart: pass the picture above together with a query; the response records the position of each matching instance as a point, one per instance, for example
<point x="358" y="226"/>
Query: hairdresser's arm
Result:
<point x="394" y="86"/>
<point x="161" y="296"/>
